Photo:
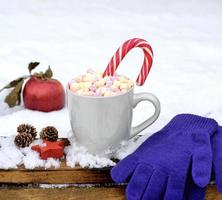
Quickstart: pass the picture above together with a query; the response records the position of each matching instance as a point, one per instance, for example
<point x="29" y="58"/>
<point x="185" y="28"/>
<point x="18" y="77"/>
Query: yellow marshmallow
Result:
<point x="130" y="82"/>
<point x="124" y="86"/>
<point x="87" y="84"/>
<point x="108" y="94"/>
<point x="100" y="83"/>
<point x="82" y="85"/>
<point x="115" y="85"/>
<point x="102" y="90"/>
<point x="75" y="86"/>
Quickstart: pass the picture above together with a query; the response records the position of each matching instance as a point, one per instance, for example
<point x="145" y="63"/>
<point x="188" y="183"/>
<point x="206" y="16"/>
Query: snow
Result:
<point x="72" y="36"/>
<point x="78" y="155"/>
<point x="12" y="156"/>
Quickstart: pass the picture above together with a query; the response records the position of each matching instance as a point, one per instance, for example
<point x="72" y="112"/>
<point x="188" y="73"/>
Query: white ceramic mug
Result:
<point x="101" y="123"/>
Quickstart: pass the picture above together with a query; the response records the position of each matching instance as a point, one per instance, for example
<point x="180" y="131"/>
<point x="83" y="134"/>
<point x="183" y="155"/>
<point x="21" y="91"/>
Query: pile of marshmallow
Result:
<point x="94" y="84"/>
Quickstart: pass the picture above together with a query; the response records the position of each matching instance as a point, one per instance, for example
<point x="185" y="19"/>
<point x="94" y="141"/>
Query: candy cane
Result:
<point x="123" y="50"/>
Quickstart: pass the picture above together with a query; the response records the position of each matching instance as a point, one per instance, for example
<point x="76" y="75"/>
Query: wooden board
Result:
<point x="101" y="193"/>
<point x="61" y="175"/>
<point x="212" y="193"/>
<point x="113" y="193"/>
<point x="98" y="178"/>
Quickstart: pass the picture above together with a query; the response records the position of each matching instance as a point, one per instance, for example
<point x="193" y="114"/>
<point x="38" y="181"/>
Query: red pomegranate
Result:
<point x="43" y="94"/>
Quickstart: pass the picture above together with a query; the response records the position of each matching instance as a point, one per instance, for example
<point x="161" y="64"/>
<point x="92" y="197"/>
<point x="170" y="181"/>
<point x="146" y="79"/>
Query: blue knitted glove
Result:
<point x="195" y="192"/>
<point x="158" y="169"/>
<point x="216" y="142"/>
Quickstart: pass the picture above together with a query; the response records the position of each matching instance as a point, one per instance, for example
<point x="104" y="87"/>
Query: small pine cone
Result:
<point x="26" y="128"/>
<point x="49" y="133"/>
<point x="66" y="141"/>
<point x="23" y="140"/>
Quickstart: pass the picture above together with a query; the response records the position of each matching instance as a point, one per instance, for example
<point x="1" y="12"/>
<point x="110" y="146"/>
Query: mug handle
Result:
<point x="155" y="101"/>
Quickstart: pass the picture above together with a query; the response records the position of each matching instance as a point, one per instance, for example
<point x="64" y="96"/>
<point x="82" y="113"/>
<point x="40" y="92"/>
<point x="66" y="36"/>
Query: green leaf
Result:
<point x="14" y="82"/>
<point x="14" y="97"/>
<point x="32" y="65"/>
<point x="48" y="73"/>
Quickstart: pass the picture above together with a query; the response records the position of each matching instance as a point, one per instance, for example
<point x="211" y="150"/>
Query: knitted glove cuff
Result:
<point x="191" y="122"/>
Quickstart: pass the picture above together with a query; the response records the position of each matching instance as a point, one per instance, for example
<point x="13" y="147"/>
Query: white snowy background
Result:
<point x="72" y="36"/>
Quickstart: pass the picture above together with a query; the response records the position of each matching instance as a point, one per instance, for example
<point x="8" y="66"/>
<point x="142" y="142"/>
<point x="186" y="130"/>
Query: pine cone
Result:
<point x="27" y="128"/>
<point x="23" y="139"/>
<point x="49" y="133"/>
<point x="66" y="141"/>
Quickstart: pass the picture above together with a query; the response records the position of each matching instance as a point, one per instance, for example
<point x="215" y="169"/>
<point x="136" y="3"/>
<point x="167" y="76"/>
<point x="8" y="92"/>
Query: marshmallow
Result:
<point x="75" y="87"/>
<point x="123" y="86"/>
<point x="87" y="84"/>
<point x="116" y="85"/>
<point x="94" y="84"/>
<point x="100" y="83"/>
<point x="108" y="94"/>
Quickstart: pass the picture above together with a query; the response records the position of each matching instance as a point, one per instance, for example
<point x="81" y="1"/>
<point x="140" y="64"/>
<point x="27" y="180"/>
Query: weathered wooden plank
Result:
<point x="61" y="175"/>
<point x="54" y="177"/>
<point x="212" y="193"/>
<point x="65" y="175"/>
<point x="106" y="193"/>
<point x="113" y="193"/>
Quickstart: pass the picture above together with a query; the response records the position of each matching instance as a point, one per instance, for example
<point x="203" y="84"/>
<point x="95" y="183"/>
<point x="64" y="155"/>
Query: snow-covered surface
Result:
<point x="12" y="156"/>
<point x="76" y="154"/>
<point x="72" y="36"/>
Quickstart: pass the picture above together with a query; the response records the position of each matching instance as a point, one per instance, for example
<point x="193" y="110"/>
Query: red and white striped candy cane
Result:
<point x="123" y="50"/>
